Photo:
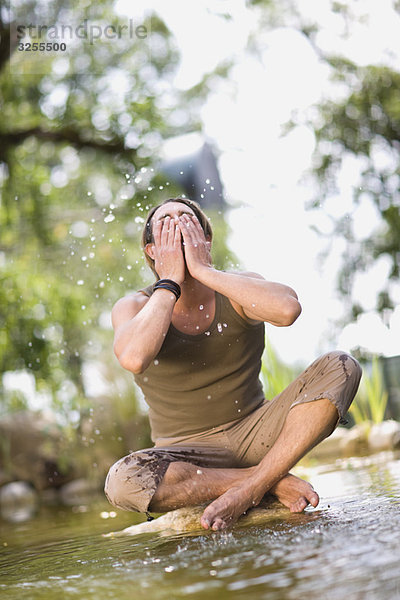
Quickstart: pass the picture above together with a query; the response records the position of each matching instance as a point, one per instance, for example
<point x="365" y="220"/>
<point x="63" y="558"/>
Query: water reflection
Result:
<point x="348" y="547"/>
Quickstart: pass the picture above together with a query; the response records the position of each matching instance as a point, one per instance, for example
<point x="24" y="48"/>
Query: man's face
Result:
<point x="172" y="210"/>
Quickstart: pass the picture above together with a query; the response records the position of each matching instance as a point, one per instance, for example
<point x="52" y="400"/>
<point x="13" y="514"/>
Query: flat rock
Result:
<point x="188" y="520"/>
<point x="384" y="436"/>
<point x="18" y="501"/>
<point x="78" y="491"/>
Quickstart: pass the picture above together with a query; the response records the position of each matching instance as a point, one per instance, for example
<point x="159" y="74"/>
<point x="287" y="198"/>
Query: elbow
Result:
<point x="291" y="312"/>
<point x="134" y="364"/>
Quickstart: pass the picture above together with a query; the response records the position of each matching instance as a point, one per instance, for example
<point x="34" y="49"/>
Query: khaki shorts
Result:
<point x="133" y="480"/>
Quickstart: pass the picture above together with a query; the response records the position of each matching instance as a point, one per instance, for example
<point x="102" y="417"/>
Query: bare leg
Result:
<point x="305" y="426"/>
<point x="185" y="484"/>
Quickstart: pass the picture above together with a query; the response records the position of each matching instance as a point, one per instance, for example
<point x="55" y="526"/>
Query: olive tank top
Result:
<point x="201" y="381"/>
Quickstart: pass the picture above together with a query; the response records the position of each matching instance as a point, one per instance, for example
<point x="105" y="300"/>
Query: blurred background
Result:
<point x="281" y="118"/>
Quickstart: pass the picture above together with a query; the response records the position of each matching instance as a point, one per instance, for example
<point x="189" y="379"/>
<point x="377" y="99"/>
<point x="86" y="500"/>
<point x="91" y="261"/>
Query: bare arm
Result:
<point x="260" y="300"/>
<point x="140" y="326"/>
<point x="141" y="323"/>
<point x="253" y="296"/>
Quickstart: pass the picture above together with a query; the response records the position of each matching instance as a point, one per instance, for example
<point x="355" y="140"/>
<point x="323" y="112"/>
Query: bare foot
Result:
<point x="295" y="493"/>
<point x="226" y="509"/>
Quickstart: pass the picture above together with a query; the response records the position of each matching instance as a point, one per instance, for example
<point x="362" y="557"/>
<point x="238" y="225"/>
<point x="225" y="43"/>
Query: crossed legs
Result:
<point x="233" y="491"/>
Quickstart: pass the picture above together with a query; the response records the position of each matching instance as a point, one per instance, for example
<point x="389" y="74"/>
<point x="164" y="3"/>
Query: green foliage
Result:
<point x="79" y="153"/>
<point x="362" y="125"/>
<point x="371" y="400"/>
<point x="276" y="376"/>
<point x="366" y="125"/>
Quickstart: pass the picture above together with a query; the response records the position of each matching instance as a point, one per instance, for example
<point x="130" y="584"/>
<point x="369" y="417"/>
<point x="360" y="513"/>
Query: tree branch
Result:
<point x="70" y="136"/>
<point x="4" y="43"/>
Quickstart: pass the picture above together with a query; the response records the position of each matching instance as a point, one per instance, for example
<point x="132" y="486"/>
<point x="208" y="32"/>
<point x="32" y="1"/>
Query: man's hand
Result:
<point x="168" y="256"/>
<point x="196" y="247"/>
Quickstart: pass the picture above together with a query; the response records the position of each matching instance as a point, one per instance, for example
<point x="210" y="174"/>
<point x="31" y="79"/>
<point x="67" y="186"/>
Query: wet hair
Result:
<point x="147" y="234"/>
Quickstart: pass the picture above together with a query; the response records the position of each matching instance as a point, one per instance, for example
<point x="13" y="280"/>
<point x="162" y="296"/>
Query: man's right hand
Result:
<point x="168" y="256"/>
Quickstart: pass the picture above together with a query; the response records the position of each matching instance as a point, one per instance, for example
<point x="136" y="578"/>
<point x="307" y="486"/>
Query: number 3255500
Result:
<point x="42" y="47"/>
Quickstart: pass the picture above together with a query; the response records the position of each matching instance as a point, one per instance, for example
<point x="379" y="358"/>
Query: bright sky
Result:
<point x="261" y="170"/>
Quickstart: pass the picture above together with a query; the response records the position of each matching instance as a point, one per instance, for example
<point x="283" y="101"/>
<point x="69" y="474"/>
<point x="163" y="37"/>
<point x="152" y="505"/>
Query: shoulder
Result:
<point x="127" y="307"/>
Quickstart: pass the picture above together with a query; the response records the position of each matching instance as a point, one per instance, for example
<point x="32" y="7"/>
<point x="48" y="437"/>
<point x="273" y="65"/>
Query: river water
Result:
<point x="349" y="547"/>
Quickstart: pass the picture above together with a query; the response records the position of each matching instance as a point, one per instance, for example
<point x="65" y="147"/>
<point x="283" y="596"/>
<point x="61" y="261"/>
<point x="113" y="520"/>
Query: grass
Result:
<point x="371" y="400"/>
<point x="276" y="376"/>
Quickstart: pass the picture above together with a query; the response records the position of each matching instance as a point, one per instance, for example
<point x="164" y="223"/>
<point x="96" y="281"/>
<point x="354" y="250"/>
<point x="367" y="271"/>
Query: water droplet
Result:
<point x="209" y="397"/>
<point x="156" y="362"/>
<point x="145" y="379"/>
<point x="80" y="282"/>
<point x="219" y="327"/>
<point x="225" y="324"/>
<point x="207" y="181"/>
<point x="121" y="279"/>
<point x="201" y="307"/>
<point x="207" y="332"/>
<point x="199" y="472"/>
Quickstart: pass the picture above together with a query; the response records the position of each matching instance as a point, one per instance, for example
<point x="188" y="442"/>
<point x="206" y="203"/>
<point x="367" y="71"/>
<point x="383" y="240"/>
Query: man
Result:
<point x="194" y="342"/>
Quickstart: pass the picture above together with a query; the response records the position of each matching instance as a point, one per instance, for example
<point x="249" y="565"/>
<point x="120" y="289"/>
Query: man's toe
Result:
<point x="299" y="505"/>
<point x="218" y="524"/>
<point x="313" y="499"/>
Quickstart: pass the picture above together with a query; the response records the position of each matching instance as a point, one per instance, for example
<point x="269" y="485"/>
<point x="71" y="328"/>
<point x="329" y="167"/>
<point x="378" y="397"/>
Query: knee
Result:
<point x="350" y="366"/>
<point x="127" y="482"/>
<point x="115" y="481"/>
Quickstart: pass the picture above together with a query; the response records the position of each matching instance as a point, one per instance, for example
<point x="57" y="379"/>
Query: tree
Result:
<point x="365" y="125"/>
<point x="78" y="171"/>
<point x="362" y="126"/>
